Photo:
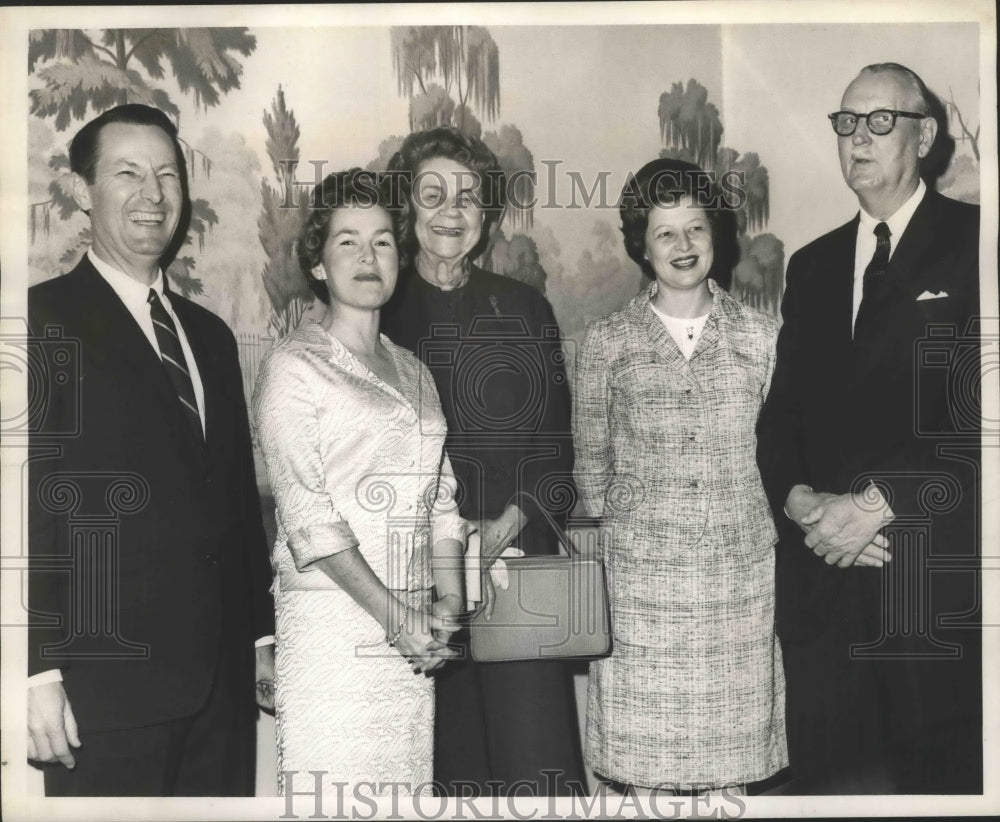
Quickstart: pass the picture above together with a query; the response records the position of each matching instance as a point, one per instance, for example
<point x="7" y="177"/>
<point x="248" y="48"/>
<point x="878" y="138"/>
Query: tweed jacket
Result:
<point x="665" y="446"/>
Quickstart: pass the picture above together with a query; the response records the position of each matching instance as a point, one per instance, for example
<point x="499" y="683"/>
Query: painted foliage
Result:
<point x="84" y="72"/>
<point x="247" y="171"/>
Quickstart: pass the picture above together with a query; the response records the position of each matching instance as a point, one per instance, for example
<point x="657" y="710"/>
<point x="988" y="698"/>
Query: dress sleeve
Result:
<point x="287" y="427"/>
<point x="591" y="431"/>
<point x="445" y="520"/>
<point x="770" y="342"/>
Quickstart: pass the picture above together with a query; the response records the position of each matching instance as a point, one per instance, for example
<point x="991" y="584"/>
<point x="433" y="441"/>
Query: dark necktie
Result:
<point x="875" y="272"/>
<point x="173" y="360"/>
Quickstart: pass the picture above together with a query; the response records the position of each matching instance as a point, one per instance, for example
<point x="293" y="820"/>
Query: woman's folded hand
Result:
<point x="419" y="643"/>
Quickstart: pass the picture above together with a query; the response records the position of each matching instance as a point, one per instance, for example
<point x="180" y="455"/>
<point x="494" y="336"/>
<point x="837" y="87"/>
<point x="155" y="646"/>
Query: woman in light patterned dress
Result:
<point x="352" y="435"/>
<point x="667" y="396"/>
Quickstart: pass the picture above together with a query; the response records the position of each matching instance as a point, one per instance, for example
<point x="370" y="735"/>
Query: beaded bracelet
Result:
<point x="392" y="640"/>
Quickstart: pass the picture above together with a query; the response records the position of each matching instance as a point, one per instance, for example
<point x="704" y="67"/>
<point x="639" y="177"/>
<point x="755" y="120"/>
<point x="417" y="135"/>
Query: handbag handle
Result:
<point x="568" y="549"/>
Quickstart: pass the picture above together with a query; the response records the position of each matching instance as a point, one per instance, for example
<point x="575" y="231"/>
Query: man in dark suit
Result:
<point x="869" y="450"/>
<point x="149" y="575"/>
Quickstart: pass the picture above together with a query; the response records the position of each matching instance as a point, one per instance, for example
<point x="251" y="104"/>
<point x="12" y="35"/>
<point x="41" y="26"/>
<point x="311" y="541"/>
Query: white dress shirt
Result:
<point x="865" y="248"/>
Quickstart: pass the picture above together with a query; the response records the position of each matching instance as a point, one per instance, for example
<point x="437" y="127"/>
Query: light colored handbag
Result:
<point x="555" y="607"/>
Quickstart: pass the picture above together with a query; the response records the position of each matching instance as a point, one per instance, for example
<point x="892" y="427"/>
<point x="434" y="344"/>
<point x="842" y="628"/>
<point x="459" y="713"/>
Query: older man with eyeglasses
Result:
<point x="869" y="449"/>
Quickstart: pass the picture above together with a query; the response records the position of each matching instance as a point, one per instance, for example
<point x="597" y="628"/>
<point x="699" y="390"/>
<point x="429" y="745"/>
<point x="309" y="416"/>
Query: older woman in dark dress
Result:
<point x="493" y="347"/>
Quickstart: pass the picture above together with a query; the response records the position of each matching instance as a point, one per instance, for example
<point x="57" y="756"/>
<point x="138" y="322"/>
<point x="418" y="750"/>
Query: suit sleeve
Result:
<point x="779" y="434"/>
<point x="47" y="594"/>
<point x="446" y="522"/>
<point x="254" y="538"/>
<point x="549" y="481"/>
<point x="591" y="429"/>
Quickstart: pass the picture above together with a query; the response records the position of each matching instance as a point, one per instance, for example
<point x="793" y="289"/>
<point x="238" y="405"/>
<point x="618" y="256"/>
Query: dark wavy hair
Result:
<point x="354" y="187"/>
<point x="664" y="182"/>
<point x="449" y="143"/>
<point x="83" y="150"/>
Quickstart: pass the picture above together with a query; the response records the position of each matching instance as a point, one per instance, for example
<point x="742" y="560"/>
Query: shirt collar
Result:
<point x="649" y="293"/>
<point x="129" y="289"/>
<point x="900" y="220"/>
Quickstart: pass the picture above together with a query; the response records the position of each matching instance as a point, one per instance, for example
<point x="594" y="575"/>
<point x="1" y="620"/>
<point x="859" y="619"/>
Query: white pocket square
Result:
<point x="937" y="295"/>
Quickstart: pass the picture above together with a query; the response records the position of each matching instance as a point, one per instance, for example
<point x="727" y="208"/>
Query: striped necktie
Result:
<point x="173" y="360"/>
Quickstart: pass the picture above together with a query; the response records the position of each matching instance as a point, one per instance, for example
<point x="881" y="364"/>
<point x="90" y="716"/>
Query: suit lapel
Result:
<point x="908" y="266"/>
<point x="711" y="333"/>
<point x="834" y="299"/>
<point x="842" y="282"/>
<point x="656" y="332"/>
<point x="113" y="335"/>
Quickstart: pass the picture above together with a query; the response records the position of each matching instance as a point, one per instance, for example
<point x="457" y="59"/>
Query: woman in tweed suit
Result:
<point x="667" y="397"/>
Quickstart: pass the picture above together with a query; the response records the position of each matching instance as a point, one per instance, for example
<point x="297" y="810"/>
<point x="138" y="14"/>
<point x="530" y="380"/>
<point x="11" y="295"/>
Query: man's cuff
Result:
<point x="875" y="499"/>
<point x="45" y="677"/>
<point x="264" y="641"/>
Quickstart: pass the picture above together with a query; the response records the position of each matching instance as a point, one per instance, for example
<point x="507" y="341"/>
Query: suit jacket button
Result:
<point x="212" y="560"/>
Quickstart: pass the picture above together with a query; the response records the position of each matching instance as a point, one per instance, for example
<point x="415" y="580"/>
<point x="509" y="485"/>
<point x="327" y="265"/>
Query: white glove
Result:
<point x="498" y="571"/>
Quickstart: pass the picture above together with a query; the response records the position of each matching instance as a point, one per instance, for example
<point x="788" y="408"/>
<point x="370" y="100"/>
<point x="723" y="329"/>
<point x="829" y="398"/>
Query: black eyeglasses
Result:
<point x="881" y="121"/>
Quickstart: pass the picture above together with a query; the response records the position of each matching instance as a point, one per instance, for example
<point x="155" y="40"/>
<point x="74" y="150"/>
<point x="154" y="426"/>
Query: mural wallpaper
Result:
<point x="263" y="113"/>
<point x="247" y="205"/>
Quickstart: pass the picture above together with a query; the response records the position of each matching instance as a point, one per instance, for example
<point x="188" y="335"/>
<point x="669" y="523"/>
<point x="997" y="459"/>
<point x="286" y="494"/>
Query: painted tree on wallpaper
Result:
<point x="279" y="226"/>
<point x="83" y="72"/>
<point x="691" y="129"/>
<point x="960" y="179"/>
<point x="423" y="54"/>
<point x="690" y="124"/>
<point x="451" y="74"/>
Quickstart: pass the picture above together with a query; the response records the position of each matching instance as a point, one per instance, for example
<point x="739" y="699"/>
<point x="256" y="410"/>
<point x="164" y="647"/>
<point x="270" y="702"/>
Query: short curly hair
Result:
<point x="449" y="143"/>
<point x="664" y="182"/>
<point x="354" y="187"/>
